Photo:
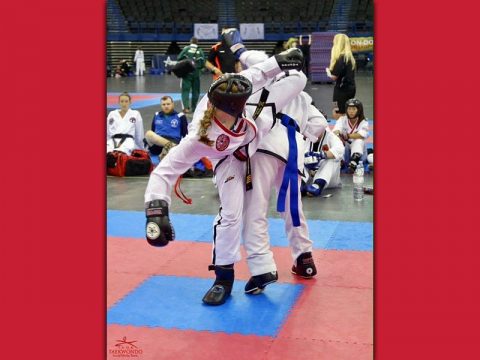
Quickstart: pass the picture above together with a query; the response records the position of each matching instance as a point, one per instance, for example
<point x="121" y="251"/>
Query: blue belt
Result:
<point x="290" y="175"/>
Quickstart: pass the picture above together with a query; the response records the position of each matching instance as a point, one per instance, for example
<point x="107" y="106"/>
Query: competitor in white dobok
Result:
<point x="278" y="163"/>
<point x="124" y="127"/>
<point x="322" y="162"/>
<point x="352" y="129"/>
<point x="139" y="61"/>
<point x="222" y="125"/>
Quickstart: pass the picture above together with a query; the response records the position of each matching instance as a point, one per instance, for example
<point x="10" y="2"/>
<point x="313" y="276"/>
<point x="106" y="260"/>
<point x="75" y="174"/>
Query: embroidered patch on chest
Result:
<point x="110" y="121"/>
<point x="133" y="120"/>
<point x="222" y="142"/>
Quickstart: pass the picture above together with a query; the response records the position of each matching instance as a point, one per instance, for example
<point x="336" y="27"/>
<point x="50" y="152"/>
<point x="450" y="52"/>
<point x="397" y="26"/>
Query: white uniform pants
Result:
<point x="227" y="226"/>
<point x="329" y="170"/>
<point x="267" y="172"/>
<point x="357" y="146"/>
<point x="140" y="67"/>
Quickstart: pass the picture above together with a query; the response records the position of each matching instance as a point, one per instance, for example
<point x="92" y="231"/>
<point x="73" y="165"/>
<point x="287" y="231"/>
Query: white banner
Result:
<point x="252" y="31"/>
<point x="205" y="31"/>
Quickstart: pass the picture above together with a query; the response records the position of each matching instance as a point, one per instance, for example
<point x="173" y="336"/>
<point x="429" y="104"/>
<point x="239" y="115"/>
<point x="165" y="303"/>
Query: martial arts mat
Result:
<point x="154" y="307"/>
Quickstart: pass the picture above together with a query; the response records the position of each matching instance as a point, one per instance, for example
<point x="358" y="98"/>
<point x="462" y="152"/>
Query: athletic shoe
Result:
<point x="305" y="266"/>
<point x="257" y="283"/>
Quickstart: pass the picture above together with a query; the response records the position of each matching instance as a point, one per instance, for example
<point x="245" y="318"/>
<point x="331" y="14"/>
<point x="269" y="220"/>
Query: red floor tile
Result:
<point x="163" y="344"/>
<point x="332" y="314"/>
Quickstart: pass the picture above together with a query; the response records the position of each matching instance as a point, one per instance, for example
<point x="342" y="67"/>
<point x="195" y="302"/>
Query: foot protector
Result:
<point x="257" y="283"/>
<point x="222" y="287"/>
<point x="305" y="266"/>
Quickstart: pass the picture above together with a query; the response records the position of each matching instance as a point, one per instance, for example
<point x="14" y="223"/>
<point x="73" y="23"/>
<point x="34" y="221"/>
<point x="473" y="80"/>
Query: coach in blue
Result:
<point x="168" y="128"/>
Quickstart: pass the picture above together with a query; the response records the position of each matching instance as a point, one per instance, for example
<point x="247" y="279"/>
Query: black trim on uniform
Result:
<point x="274" y="111"/>
<point x="215" y="234"/>
<point x="218" y="164"/>
<point x="275" y="155"/>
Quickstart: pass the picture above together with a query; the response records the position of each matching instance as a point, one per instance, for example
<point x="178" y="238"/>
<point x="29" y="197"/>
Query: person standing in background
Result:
<point x="191" y="81"/>
<point x="140" y="61"/>
<point x="221" y="60"/>
<point x="342" y="71"/>
<point x="304" y="42"/>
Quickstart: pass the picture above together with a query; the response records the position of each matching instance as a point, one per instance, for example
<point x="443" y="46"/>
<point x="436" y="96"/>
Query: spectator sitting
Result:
<point x="322" y="162"/>
<point x="168" y="128"/>
<point x="352" y="129"/>
<point x="124" y="129"/>
<point x="123" y="69"/>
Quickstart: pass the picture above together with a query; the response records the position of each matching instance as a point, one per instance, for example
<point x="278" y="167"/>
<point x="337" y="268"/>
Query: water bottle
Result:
<point x="358" y="181"/>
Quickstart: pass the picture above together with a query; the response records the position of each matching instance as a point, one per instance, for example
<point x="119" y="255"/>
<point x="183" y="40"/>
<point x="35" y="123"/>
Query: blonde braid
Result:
<point x="205" y="124"/>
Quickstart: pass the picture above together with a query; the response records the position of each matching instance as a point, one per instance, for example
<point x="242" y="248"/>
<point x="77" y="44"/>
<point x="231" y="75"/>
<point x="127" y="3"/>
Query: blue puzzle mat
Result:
<point x="156" y="303"/>
<point x="333" y="235"/>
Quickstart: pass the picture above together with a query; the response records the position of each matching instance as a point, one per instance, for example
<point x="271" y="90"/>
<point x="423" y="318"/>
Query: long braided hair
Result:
<point x="206" y="122"/>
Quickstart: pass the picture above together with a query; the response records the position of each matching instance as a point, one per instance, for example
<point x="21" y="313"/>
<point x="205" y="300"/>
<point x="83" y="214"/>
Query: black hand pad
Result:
<point x="159" y="230"/>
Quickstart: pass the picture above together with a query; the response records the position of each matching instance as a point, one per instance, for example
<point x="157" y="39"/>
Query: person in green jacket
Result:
<point x="191" y="81"/>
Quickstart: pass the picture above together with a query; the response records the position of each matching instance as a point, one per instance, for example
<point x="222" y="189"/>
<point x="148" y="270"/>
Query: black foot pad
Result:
<point x="216" y="295"/>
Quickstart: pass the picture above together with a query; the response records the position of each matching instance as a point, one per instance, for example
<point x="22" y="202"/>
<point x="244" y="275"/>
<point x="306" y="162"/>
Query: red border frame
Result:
<point x="53" y="251"/>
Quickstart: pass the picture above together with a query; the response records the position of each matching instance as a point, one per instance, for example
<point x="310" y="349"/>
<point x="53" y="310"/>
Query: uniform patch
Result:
<point x="133" y="120"/>
<point x="325" y="147"/>
<point x="222" y="142"/>
<point x="174" y="123"/>
<point x="110" y="121"/>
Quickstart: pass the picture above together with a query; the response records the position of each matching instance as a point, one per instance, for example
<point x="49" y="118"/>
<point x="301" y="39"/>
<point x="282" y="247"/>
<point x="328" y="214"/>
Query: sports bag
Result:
<point x="183" y="67"/>
<point x="121" y="164"/>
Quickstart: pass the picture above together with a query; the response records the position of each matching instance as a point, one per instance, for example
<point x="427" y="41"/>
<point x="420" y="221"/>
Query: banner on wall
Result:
<point x="361" y="43"/>
<point x="252" y="31"/>
<point x="205" y="31"/>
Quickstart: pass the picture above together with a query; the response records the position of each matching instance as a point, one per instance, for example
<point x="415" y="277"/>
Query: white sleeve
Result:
<point x="335" y="145"/>
<point x="338" y="125"/>
<point x="139" y="134"/>
<point x="109" y="116"/>
<point x="259" y="74"/>
<point x="316" y="124"/>
<point x="363" y="129"/>
<point x="179" y="159"/>
<point x="252" y="57"/>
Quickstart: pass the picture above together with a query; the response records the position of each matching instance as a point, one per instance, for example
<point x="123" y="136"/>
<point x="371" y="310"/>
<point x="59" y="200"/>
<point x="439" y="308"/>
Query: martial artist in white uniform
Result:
<point x="248" y="129"/>
<point x="322" y="163"/>
<point x="268" y="171"/>
<point x="352" y="128"/>
<point x="128" y="128"/>
<point x="139" y="61"/>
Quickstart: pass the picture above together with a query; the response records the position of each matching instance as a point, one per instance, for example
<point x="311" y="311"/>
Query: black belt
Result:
<point x="122" y="138"/>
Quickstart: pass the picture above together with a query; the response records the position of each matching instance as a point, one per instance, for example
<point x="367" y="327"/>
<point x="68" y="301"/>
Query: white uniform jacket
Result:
<point x="226" y="141"/>
<point x="130" y="124"/>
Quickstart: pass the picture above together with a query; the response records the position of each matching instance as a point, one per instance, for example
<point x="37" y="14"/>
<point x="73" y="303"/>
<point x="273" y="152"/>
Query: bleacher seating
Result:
<point x="150" y="16"/>
<point x="168" y="17"/>
<point x="300" y="16"/>
<point x="361" y="16"/>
